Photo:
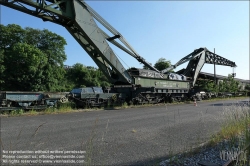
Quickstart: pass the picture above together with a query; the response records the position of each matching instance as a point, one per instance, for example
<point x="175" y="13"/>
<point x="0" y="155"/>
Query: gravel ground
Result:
<point x="216" y="155"/>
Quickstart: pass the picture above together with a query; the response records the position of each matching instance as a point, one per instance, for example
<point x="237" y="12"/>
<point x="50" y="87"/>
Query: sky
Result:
<point x="163" y="29"/>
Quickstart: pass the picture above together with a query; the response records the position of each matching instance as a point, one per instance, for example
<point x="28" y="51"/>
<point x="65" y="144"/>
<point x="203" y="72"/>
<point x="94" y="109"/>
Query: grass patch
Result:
<point x="17" y="112"/>
<point x="237" y="122"/>
<point x="32" y="112"/>
<point x="235" y="132"/>
<point x="59" y="108"/>
<point x="133" y="131"/>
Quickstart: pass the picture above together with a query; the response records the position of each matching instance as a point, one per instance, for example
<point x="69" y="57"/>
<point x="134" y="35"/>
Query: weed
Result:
<point x="124" y="105"/>
<point x="32" y="112"/>
<point x="133" y="131"/>
<point x="17" y="112"/>
<point x="68" y="105"/>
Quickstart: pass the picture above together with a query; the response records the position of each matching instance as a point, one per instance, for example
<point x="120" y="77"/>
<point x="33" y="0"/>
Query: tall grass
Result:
<point x="235" y="130"/>
<point x="234" y="134"/>
<point x="236" y="122"/>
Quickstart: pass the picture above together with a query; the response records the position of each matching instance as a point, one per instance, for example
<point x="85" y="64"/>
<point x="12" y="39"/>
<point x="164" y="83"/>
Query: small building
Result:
<point x="219" y="78"/>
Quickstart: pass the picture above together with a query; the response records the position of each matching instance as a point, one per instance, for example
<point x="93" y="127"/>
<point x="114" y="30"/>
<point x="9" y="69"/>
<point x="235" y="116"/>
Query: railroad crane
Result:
<point x="196" y="61"/>
<point x="135" y="85"/>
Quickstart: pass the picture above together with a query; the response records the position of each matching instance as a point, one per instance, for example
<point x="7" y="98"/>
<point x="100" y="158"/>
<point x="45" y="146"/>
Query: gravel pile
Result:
<point x="214" y="155"/>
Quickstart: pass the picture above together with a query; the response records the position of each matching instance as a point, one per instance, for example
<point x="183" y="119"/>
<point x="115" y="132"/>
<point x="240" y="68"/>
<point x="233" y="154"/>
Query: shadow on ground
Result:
<point x="240" y="103"/>
<point x="147" y="162"/>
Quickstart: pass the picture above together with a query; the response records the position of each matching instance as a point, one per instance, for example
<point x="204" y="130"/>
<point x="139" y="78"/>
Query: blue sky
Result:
<point x="168" y="29"/>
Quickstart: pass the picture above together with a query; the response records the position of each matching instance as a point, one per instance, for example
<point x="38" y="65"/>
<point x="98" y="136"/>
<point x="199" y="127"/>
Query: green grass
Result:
<point x="237" y="122"/>
<point x="17" y="112"/>
<point x="61" y="108"/>
<point x="235" y="130"/>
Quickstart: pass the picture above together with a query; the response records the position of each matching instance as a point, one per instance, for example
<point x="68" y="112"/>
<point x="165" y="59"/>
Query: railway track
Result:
<point x="241" y="158"/>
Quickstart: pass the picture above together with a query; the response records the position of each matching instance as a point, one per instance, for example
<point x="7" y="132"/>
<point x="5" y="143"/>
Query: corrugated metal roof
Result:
<point x="222" y="77"/>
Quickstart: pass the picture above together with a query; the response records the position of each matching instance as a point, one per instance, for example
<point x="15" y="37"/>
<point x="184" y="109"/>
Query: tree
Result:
<point x="2" y="68"/>
<point x="18" y="43"/>
<point x="162" y="64"/>
<point x="24" y="63"/>
<point x="10" y="35"/>
<point x="52" y="45"/>
<point x="247" y="87"/>
<point x="207" y="85"/>
<point x="229" y="84"/>
<point x="233" y="85"/>
<point x="82" y="76"/>
<point x="78" y="75"/>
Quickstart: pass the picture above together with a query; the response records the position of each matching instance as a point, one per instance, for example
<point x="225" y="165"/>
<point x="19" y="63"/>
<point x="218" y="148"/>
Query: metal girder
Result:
<point x="194" y="67"/>
<point x="189" y="57"/>
<point x="204" y="56"/>
<point x="59" y="12"/>
<point x="213" y="58"/>
<point x="90" y="37"/>
<point x="196" y="61"/>
<point x="119" y="36"/>
<point x="78" y="18"/>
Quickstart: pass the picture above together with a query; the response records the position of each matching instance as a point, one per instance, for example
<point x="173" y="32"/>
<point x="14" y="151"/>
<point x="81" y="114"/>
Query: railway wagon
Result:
<point x="94" y="97"/>
<point x="13" y="100"/>
<point x="149" y="87"/>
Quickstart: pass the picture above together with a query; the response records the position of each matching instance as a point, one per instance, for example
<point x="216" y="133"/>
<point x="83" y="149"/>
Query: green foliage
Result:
<point x="2" y="68"/>
<point x="53" y="47"/>
<point x="10" y="35"/>
<point x="17" y="112"/>
<point x="82" y="76"/>
<point x="162" y="64"/>
<point x="31" y="59"/>
<point x="207" y="85"/>
<point x="227" y="85"/>
<point x="247" y="87"/>
<point x="24" y="63"/>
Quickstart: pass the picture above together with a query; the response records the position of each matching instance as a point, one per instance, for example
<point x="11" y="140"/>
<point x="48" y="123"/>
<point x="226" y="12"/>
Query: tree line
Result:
<point x="228" y="84"/>
<point x="33" y="60"/>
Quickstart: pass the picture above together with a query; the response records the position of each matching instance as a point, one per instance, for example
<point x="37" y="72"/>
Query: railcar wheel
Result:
<point x="129" y="102"/>
<point x="171" y="100"/>
<point x="114" y="97"/>
<point x="63" y="99"/>
<point x="47" y="96"/>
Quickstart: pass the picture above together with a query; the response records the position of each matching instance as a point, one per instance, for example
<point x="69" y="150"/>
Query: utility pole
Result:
<point x="233" y="74"/>
<point x="214" y="69"/>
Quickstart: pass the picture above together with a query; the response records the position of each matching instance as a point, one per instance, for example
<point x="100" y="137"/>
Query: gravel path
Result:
<point x="216" y="155"/>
